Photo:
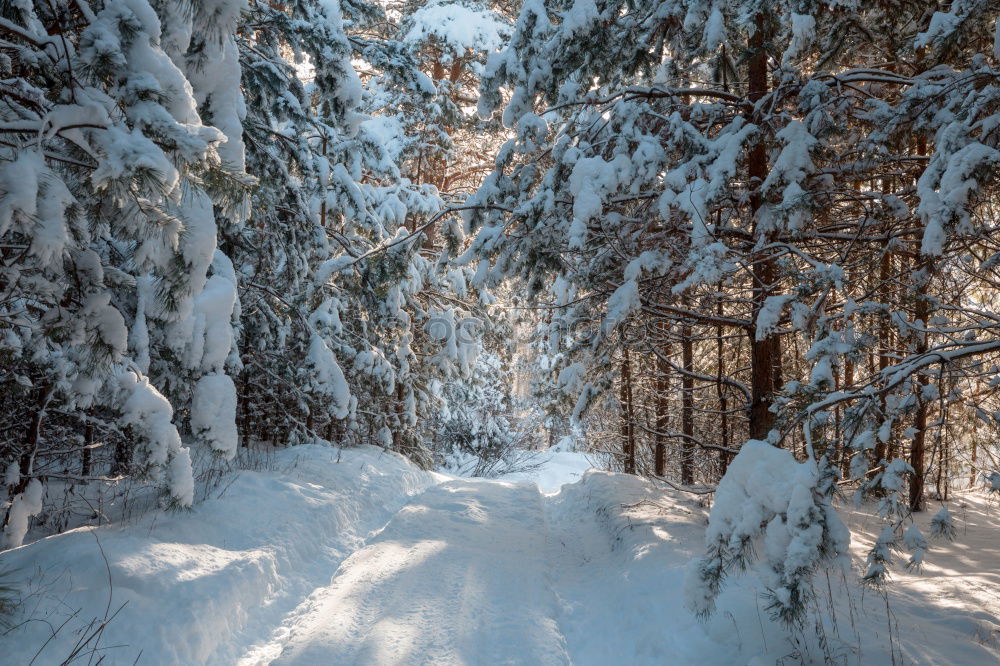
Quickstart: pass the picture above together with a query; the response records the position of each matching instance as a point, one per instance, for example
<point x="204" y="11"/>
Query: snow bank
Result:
<point x="621" y="546"/>
<point x="203" y="586"/>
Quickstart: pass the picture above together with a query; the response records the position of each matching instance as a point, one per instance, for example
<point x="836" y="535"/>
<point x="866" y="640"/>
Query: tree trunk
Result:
<point x="628" y="422"/>
<point x="884" y="347"/>
<point x="720" y="391"/>
<point x="123" y="455"/>
<point x="398" y="441"/>
<point x="917" y="449"/>
<point x="662" y="409"/>
<point x="32" y="438"/>
<point x="88" y="442"/>
<point x="942" y="472"/>
<point x="687" y="407"/>
<point x="973" y="470"/>
<point x="921" y="314"/>
<point x="845" y="452"/>
<point x="917" y="454"/>
<point x="243" y="405"/>
<point x="765" y="354"/>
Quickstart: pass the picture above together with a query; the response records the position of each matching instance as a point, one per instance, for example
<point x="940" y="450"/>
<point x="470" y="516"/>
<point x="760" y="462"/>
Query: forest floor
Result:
<point x="357" y="557"/>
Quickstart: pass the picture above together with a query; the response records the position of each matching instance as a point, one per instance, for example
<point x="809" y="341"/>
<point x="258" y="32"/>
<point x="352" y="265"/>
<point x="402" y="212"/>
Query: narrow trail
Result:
<point x="549" y="571"/>
<point x="468" y="558"/>
<point x="498" y="572"/>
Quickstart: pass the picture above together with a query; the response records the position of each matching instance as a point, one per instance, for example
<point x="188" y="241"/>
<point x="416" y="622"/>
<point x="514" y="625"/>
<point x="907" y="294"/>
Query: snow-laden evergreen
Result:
<point x="771" y="504"/>
<point x="210" y="241"/>
<point x="110" y="178"/>
<point x="742" y="194"/>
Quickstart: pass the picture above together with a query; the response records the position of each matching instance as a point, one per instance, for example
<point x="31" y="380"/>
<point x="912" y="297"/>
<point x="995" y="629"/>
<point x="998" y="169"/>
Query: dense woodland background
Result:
<point x="656" y="230"/>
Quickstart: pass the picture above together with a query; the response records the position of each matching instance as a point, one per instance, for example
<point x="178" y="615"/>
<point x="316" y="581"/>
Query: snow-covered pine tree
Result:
<point x="442" y="140"/>
<point x="151" y="259"/>
<point x="200" y="39"/>
<point x="730" y="173"/>
<point x="339" y="295"/>
<point x="108" y="180"/>
<point x="277" y="251"/>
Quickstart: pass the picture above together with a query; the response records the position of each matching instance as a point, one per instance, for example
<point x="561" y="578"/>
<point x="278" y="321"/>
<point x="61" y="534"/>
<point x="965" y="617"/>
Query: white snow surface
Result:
<point x="205" y="586"/>
<point x="357" y="557"/>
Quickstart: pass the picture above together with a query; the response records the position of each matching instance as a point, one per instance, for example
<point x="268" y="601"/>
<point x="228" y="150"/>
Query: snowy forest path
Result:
<point x="473" y="571"/>
<point x="461" y="574"/>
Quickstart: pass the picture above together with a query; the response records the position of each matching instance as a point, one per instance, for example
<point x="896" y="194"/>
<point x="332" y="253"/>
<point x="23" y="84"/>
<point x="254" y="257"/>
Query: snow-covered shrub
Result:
<point x="769" y="507"/>
<point x="475" y="433"/>
<point x="471" y="447"/>
<point x="942" y="525"/>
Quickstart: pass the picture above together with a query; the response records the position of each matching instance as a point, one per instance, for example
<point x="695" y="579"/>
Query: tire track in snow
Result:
<point x="294" y="597"/>
<point x="460" y="575"/>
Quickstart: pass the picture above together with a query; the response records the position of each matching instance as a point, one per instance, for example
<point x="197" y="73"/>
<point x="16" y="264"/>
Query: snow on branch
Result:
<point x="770" y="505"/>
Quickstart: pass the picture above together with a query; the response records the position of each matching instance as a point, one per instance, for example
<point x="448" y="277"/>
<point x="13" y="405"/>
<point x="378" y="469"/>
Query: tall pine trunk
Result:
<point x="919" y="445"/>
<point x="884" y="346"/>
<point x="924" y="268"/>
<point x="662" y="408"/>
<point x="765" y="353"/>
<point x="26" y="462"/>
<point x="628" y="419"/>
<point x="687" y="407"/>
<point x="720" y="391"/>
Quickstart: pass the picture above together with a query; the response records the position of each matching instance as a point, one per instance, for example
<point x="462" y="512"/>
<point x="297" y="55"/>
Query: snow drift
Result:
<point x="202" y="586"/>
